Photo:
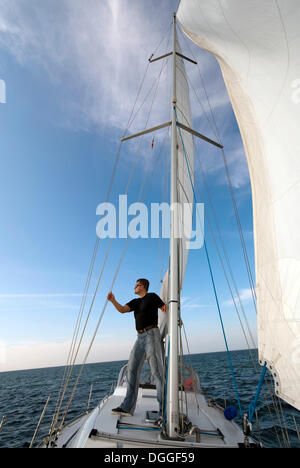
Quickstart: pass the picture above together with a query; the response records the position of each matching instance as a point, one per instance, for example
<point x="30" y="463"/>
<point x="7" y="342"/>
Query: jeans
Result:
<point x="147" y="343"/>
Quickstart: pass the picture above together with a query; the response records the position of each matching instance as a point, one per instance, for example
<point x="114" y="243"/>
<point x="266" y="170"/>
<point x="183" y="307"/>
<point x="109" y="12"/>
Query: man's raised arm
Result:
<point x="122" y="309"/>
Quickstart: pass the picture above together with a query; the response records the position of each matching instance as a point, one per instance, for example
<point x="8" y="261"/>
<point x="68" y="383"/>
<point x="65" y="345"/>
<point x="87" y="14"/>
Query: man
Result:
<point x="148" y="342"/>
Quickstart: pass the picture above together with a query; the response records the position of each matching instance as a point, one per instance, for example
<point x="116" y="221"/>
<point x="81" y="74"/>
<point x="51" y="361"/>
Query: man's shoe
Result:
<point x="120" y="411"/>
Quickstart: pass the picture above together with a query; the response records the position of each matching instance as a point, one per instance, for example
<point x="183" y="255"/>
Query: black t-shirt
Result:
<point x="145" y="310"/>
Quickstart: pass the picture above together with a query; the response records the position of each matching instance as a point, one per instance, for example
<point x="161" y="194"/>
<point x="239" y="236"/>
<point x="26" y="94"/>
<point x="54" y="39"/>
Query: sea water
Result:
<point x="23" y="395"/>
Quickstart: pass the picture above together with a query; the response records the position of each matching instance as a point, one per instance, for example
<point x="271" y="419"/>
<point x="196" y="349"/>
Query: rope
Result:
<point x="253" y="404"/>
<point x="212" y="277"/>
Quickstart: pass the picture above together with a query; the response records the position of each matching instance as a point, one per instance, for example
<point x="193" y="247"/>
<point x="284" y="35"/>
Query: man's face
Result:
<point x="138" y="288"/>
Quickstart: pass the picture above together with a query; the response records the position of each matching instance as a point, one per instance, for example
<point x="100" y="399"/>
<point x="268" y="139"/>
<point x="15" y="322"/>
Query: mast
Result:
<point x="174" y="296"/>
<point x="176" y="232"/>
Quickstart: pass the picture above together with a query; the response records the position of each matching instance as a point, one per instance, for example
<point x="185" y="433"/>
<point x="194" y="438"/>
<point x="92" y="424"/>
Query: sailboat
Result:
<point x="263" y="109"/>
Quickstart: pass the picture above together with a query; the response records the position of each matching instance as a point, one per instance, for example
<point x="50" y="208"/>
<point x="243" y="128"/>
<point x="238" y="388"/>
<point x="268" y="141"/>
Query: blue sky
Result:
<point x="72" y="70"/>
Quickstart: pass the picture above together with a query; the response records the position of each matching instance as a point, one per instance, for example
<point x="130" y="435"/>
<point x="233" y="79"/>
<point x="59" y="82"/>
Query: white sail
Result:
<point x="257" y="45"/>
<point x="185" y="175"/>
<point x="185" y="163"/>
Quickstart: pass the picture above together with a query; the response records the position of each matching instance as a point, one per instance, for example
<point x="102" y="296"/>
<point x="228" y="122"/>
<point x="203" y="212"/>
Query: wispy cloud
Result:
<point x="245" y="296"/>
<point x="95" y="54"/>
<point x="97" y="50"/>
<point x="193" y="303"/>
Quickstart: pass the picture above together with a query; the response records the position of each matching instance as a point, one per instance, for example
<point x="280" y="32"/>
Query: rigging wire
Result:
<point x="273" y="397"/>
<point x="253" y="360"/>
<point x="114" y="279"/>
<point x="97" y="241"/>
<point x="105" y="305"/>
<point x="227" y="262"/>
<point x="62" y="394"/>
<point x="214" y="127"/>
<point x="212" y="278"/>
<point x="123" y="254"/>
<point x="285" y="437"/>
<point x="92" y="262"/>
<point x="226" y="257"/>
<point x="71" y="358"/>
<point x="128" y="184"/>
<point x="234" y="302"/>
<point x="235" y="305"/>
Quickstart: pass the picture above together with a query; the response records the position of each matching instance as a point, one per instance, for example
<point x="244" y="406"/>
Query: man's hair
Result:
<point x="144" y="282"/>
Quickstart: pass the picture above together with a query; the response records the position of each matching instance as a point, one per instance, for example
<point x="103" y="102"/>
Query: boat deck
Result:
<point x="101" y="429"/>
